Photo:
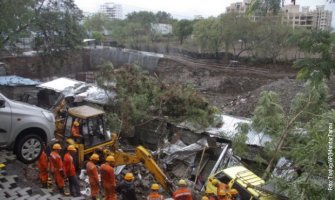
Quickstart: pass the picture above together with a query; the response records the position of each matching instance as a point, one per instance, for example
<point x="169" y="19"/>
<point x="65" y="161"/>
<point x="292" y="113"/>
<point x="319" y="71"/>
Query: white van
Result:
<point x="24" y="128"/>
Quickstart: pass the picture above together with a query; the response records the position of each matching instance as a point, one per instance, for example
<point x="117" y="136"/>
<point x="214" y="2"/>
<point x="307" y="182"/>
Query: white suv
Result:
<point x="24" y="128"/>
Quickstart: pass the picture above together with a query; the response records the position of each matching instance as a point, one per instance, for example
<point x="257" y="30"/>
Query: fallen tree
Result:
<point x="143" y="98"/>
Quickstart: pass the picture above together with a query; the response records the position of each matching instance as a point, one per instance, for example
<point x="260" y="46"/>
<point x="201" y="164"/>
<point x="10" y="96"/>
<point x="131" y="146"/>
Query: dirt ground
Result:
<point x="235" y="90"/>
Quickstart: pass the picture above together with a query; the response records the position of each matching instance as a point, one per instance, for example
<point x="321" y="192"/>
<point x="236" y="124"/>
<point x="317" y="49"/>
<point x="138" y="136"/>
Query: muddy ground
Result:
<point x="235" y="90"/>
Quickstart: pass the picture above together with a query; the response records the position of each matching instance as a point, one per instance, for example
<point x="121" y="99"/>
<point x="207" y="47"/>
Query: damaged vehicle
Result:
<point x="24" y="128"/>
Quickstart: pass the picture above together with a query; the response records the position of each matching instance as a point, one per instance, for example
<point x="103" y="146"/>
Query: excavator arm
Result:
<point x="142" y="155"/>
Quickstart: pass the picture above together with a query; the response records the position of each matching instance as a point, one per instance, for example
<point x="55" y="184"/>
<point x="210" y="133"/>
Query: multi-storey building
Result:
<point x="111" y="10"/>
<point x="319" y="19"/>
<point x="238" y="7"/>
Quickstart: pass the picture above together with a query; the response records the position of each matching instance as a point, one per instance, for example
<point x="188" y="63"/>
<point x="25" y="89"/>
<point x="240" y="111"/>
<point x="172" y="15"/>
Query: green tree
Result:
<point x="264" y="7"/>
<point x="55" y="23"/>
<point x="142" y="98"/>
<point x="97" y="36"/>
<point x="97" y="22"/>
<point x="208" y="34"/>
<point x="319" y="61"/>
<point x="273" y="38"/>
<point x="11" y="27"/>
<point x="301" y="135"/>
<point x="163" y="17"/>
<point x="58" y="26"/>
<point x="182" y="29"/>
<point x="144" y="18"/>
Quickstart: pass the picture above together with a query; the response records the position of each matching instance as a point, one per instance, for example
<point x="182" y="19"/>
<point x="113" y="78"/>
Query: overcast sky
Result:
<point x="185" y="8"/>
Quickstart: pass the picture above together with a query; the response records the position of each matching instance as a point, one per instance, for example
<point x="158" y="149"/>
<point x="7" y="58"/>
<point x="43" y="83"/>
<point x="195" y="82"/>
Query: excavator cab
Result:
<point x="84" y="127"/>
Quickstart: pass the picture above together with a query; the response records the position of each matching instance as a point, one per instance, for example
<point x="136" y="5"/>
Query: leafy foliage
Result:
<point x="319" y="63"/>
<point x="300" y="135"/>
<point x="142" y="98"/>
<point x="264" y="7"/>
<point x="55" y="23"/>
<point x="182" y="29"/>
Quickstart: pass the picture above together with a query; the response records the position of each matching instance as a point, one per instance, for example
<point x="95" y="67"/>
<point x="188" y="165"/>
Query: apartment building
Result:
<point x="238" y="7"/>
<point x="319" y="19"/>
<point x="111" y="10"/>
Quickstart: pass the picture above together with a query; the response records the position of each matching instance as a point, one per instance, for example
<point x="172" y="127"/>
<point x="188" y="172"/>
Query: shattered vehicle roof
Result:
<point x="17" y="81"/>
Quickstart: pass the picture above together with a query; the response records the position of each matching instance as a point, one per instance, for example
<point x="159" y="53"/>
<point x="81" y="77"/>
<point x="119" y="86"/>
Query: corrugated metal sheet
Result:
<point x="17" y="81"/>
<point x="60" y="84"/>
<point x="228" y="131"/>
<point x="81" y="91"/>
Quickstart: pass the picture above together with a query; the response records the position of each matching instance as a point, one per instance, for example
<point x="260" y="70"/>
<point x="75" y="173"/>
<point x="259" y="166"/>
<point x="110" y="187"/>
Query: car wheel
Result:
<point x="29" y="148"/>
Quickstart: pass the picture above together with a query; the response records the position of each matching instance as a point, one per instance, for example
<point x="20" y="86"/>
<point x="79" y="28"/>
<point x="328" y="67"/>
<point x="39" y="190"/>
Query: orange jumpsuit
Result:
<point x="69" y="168"/>
<point x="57" y="165"/>
<point x="155" y="196"/>
<point x="221" y="186"/>
<point x="108" y="181"/>
<point x="182" y="194"/>
<point x="43" y="167"/>
<point x="92" y="172"/>
<point x="75" y="131"/>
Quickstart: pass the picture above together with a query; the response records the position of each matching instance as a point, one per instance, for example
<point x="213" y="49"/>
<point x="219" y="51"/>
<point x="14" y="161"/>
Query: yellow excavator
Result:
<point x="95" y="138"/>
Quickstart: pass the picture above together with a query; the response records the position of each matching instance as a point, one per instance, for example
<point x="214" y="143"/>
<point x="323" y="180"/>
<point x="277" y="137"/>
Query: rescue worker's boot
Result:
<point x="61" y="190"/>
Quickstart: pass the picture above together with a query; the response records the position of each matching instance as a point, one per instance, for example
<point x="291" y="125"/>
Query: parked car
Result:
<point x="24" y="128"/>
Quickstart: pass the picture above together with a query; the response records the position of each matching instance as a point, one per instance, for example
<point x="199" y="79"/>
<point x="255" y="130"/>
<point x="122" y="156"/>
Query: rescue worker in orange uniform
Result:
<point x="219" y="185"/>
<point x="75" y="132"/>
<point x="43" y="167"/>
<point x="108" y="178"/>
<point x="93" y="175"/>
<point x="222" y="195"/>
<point x="154" y="195"/>
<point x="182" y="193"/>
<point x="127" y="187"/>
<point x="70" y="171"/>
<point x="57" y="166"/>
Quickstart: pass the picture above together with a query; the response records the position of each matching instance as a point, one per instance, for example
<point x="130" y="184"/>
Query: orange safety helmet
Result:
<point x="110" y="159"/>
<point x="129" y="176"/>
<point x="155" y="186"/>
<point x="94" y="157"/>
<point x="57" y="147"/>
<point x="204" y="198"/>
<point x="76" y="123"/>
<point x="71" y="148"/>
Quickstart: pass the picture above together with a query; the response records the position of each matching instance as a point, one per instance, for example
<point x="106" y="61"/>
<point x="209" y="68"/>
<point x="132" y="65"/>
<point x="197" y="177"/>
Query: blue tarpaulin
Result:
<point x="17" y="81"/>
